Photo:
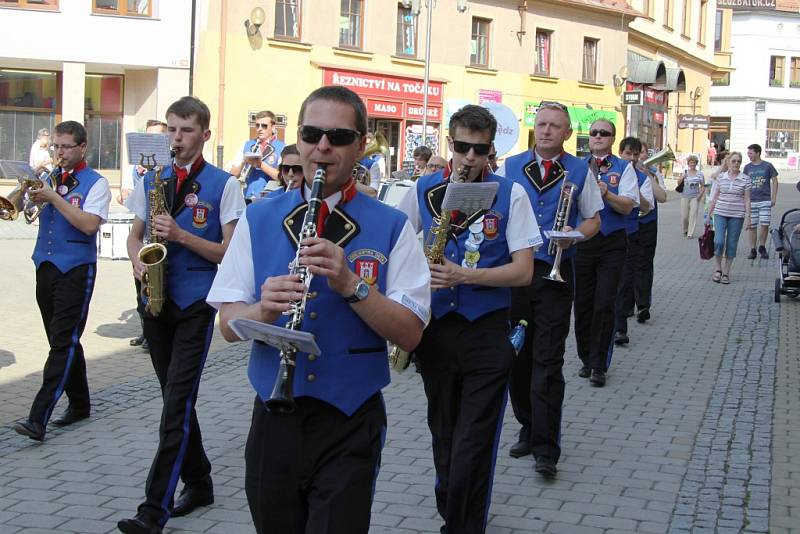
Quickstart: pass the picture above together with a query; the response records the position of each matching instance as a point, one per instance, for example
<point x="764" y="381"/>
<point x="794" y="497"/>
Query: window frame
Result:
<point x="122" y="10"/>
<point x="400" y="28"/>
<point x="350" y="14"/>
<point x="787" y="126"/>
<point x="27" y="4"/>
<point x="487" y="39"/>
<point x="596" y="43"/>
<point x="119" y="115"/>
<point x="285" y="4"/>
<point x="702" y="23"/>
<point x="686" y="23"/>
<point x="669" y="14"/>
<point x="719" y="23"/>
<point x="549" y="59"/>
<point x="794" y="71"/>
<point x="774" y="61"/>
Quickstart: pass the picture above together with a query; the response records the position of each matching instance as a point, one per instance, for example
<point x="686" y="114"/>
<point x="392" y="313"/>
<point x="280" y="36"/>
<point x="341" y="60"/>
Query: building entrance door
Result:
<point x="391" y="130"/>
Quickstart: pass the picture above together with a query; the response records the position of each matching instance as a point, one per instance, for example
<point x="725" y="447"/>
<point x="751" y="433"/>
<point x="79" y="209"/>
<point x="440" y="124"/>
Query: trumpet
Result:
<point x="562" y="216"/>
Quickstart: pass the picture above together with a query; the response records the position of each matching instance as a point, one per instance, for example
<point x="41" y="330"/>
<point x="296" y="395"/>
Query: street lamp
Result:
<point x="694" y="95"/>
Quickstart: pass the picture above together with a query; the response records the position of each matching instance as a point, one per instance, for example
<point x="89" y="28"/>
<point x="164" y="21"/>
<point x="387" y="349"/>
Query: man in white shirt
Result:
<point x="40" y="159"/>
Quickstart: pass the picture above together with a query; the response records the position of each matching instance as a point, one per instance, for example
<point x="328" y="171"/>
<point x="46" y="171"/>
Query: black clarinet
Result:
<point x="281" y="400"/>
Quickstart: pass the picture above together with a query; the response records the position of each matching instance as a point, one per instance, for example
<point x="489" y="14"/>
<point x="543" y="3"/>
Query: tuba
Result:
<point x="154" y="254"/>
<point x="660" y="157"/>
<point x="561" y="218"/>
<point x="282" y="398"/>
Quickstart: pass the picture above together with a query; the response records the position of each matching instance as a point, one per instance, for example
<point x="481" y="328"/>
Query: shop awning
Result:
<point x="676" y="81"/>
<point x="650" y="72"/>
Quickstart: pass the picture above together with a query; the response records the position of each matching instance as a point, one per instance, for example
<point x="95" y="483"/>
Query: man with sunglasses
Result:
<point x="599" y="261"/>
<point x="435" y="164"/>
<point x="465" y="356"/>
<point x="314" y="470"/>
<point x="537" y="380"/>
<point x="65" y="257"/>
<point x="265" y="141"/>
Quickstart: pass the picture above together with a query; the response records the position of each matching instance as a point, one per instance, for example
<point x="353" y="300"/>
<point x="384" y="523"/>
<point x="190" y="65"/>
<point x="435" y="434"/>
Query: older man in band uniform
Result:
<point x="599" y="261"/>
<point x="465" y="357"/>
<point x="204" y="203"/>
<point x="314" y="470"/>
<point x="537" y="380"/>
<point x="65" y="256"/>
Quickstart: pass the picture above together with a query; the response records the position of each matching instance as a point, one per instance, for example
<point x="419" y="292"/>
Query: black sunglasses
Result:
<point x="601" y="133"/>
<point x="263" y="125"/>
<point x="297" y="169"/>
<point x="462" y="147"/>
<point x="336" y="136"/>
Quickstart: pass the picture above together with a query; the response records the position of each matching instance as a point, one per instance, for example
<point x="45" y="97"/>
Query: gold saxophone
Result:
<point x="154" y="254"/>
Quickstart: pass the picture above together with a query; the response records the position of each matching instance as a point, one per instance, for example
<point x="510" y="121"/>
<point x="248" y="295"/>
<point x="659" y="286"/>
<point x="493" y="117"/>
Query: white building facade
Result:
<point x="759" y="102"/>
<point x="109" y="64"/>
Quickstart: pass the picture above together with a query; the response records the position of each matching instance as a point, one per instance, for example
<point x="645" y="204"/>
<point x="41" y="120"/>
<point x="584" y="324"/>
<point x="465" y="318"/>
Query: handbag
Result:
<point x="706" y="242"/>
<point x="679" y="187"/>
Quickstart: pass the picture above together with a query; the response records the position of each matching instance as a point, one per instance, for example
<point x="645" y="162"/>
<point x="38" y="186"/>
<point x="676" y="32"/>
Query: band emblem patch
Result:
<point x="367" y="270"/>
<point x="491" y="225"/>
<point x="200" y="213"/>
<point x="613" y="179"/>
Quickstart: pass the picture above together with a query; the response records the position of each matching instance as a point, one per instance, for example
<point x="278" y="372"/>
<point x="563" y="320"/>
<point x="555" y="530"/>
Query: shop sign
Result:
<point x="581" y="117"/>
<point x="384" y="108"/>
<point x="632" y="98"/>
<point x="489" y="95"/>
<point x="748" y="5"/>
<point x="693" y="122"/>
<point x="381" y="85"/>
<point x="654" y="96"/>
<point x="507" y="127"/>
<point x="414" y="111"/>
<point x="658" y="117"/>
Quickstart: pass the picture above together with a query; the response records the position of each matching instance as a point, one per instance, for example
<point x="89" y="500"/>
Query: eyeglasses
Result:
<point x="297" y="169"/>
<point x="263" y="125"/>
<point x="462" y="147"/>
<point x="336" y="136"/>
<point x="65" y="147"/>
<point x="601" y="133"/>
<point x="435" y="166"/>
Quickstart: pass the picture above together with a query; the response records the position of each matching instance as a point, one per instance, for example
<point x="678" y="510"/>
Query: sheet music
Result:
<point x="400" y="175"/>
<point x="275" y="336"/>
<point x="469" y="197"/>
<point x="148" y="149"/>
<point x="14" y="170"/>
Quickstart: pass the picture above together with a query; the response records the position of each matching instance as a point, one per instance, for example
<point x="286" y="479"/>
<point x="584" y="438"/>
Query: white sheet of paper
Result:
<point x="469" y="197"/>
<point x="148" y="149"/>
<point x="14" y="170"/>
<point x="275" y="336"/>
<point x="572" y="234"/>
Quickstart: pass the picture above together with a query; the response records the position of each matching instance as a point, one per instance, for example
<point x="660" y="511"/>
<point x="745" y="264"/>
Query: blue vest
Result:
<point x="610" y="219"/>
<point x="368" y="161"/>
<point x="544" y="197"/>
<point x="256" y="185"/>
<point x="189" y="275"/>
<point x="256" y="174"/>
<point x="353" y="365"/>
<point x="651" y="215"/>
<point x="274" y="159"/>
<point x="632" y="219"/>
<point x="59" y="242"/>
<point x="468" y="300"/>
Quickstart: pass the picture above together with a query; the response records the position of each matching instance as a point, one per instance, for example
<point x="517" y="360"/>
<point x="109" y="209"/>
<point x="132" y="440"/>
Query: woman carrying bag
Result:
<point x="692" y="189"/>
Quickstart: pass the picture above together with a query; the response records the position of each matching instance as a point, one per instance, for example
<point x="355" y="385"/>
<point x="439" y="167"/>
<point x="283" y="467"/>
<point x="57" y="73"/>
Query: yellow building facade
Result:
<point x="514" y="53"/>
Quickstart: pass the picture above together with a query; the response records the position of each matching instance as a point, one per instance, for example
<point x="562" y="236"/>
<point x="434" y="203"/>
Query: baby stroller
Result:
<point x="786" y="238"/>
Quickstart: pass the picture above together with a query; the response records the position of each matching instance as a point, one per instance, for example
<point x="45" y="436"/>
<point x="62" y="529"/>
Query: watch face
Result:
<point x="362" y="290"/>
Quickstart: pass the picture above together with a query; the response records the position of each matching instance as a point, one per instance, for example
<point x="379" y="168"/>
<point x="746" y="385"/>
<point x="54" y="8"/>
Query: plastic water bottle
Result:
<point x="517" y="336"/>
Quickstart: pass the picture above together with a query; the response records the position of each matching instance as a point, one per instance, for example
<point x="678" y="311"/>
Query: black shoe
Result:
<point x="145" y="346"/>
<point x="762" y="253"/>
<point x="33" y="430"/>
<point x="752" y="254"/>
<point x="140" y="524"/>
<point x="584" y="372"/>
<point x="546" y="467"/>
<point x="190" y="499"/>
<point x="643" y="315"/>
<point x="598" y="378"/>
<point x="69" y="417"/>
<point x="135" y="342"/>
<point x="621" y="338"/>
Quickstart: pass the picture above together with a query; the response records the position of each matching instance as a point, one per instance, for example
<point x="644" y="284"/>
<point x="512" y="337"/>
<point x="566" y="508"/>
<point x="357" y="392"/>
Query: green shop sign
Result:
<point x="582" y="118"/>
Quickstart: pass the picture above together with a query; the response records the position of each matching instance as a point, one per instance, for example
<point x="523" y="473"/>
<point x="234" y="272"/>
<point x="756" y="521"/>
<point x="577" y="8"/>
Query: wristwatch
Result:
<point x="361" y="292"/>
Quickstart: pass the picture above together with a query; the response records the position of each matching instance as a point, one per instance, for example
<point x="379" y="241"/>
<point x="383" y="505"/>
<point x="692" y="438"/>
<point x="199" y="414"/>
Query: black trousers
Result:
<point x="314" y="471"/>
<point x="598" y="268"/>
<point x="643" y="286"/>
<point x="179" y="341"/>
<point x="63" y="300"/>
<point x="537" y="378"/>
<point x="465" y="368"/>
<point x="625" y="299"/>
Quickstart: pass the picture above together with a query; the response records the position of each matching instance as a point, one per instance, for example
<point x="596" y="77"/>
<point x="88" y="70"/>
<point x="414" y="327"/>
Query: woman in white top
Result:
<point x="692" y="196"/>
<point x="730" y="206"/>
<point x="40" y="159"/>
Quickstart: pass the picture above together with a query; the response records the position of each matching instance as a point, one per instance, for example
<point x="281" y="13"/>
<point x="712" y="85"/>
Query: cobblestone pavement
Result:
<point x="695" y="431"/>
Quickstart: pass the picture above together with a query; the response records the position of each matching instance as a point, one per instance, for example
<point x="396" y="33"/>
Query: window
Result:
<point x="722" y="81"/>
<point x="701" y="24"/>
<point x="647" y="7"/>
<point x="406" y="32"/>
<point x="718" y="31"/>
<point x="31" y="4"/>
<point x="794" y="73"/>
<point x="129" y="8"/>
<point x="103" y="110"/>
<point x="776" y="71"/>
<point x="287" y="19"/>
<point x="782" y="137"/>
<point x="687" y="21"/>
<point x="541" y="66"/>
<point x="669" y="10"/>
<point x="589" y="60"/>
<point x="479" y="47"/>
<point x="351" y="20"/>
<point x="27" y="103"/>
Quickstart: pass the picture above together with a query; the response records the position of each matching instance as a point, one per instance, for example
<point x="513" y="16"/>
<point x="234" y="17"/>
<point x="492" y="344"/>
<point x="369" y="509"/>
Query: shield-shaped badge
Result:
<point x="199" y="216"/>
<point x="491" y="225"/>
<point x="367" y="270"/>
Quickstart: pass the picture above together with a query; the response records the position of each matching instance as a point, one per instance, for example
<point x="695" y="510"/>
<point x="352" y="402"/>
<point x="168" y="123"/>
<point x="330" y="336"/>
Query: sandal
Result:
<point x="717" y="276"/>
<point x="725" y="279"/>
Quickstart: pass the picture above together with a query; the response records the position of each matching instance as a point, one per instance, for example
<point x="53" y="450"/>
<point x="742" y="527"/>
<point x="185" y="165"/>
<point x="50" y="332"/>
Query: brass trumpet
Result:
<point x="18" y="200"/>
<point x="560" y="222"/>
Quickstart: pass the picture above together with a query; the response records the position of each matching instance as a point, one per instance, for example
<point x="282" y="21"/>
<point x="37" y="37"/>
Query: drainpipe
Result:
<point x="223" y="24"/>
<point x="191" y="48"/>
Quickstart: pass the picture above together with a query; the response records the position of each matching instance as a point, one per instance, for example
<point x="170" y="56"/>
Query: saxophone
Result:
<point x="281" y="400"/>
<point x="399" y="359"/>
<point x="154" y="254"/>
